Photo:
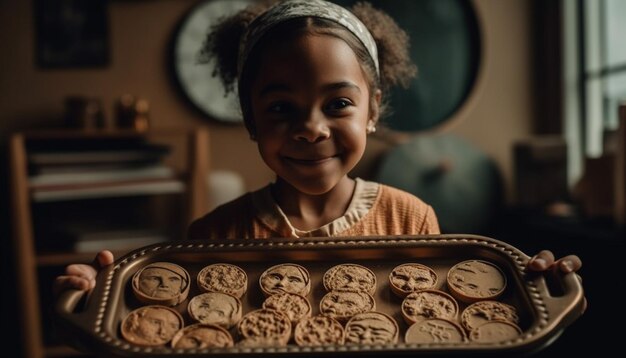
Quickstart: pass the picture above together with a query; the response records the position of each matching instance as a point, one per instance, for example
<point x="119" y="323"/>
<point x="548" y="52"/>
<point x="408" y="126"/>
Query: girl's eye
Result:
<point x="279" y="107"/>
<point x="338" y="104"/>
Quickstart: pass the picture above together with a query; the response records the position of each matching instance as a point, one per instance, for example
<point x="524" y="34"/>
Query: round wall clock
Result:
<point x="195" y="79"/>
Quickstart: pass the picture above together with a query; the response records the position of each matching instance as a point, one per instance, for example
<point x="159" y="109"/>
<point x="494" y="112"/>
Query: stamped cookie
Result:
<point x="411" y="277"/>
<point x="482" y="312"/>
<point x="215" y="308"/>
<point x="342" y="305"/>
<point x="265" y="327"/>
<point x="162" y="283"/>
<point x="296" y="307"/>
<point x="371" y="328"/>
<point x="435" y="330"/>
<point x="285" y="278"/>
<point x="350" y="277"/>
<point x="426" y="304"/>
<point x="202" y="336"/>
<point x="475" y="280"/>
<point x="318" y="331"/>
<point x="495" y="331"/>
<point x="225" y="278"/>
<point x="151" y="325"/>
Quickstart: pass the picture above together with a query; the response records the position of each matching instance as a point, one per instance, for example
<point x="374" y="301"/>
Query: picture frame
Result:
<point x="71" y="33"/>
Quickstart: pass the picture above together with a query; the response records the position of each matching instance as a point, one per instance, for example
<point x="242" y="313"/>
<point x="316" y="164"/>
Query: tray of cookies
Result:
<point x="450" y="294"/>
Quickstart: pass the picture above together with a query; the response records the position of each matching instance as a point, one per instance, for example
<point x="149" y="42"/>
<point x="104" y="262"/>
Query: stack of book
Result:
<point x="84" y="169"/>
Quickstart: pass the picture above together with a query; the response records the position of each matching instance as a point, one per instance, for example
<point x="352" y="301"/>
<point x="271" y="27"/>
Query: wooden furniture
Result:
<point x="620" y="169"/>
<point x="189" y="159"/>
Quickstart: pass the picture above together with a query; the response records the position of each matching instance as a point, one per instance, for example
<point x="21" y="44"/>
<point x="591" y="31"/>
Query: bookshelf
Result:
<point x="163" y="194"/>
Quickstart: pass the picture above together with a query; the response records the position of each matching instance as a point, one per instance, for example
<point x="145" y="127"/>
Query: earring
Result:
<point x="371" y="129"/>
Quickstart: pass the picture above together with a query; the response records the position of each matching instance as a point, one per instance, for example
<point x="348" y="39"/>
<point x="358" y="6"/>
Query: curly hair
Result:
<point x="222" y="44"/>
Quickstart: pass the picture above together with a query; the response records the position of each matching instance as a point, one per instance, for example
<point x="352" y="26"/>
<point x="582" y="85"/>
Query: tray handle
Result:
<point x="566" y="308"/>
<point x="66" y="309"/>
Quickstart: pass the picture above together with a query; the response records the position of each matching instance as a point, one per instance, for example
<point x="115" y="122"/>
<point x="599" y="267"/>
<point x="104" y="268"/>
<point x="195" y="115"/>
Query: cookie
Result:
<point x="435" y="330"/>
<point x="482" y="312"/>
<point x="495" y="331"/>
<point x="475" y="280"/>
<point x="225" y="278"/>
<point x="371" y="328"/>
<point x="350" y="277"/>
<point x="215" y="308"/>
<point x="296" y="307"/>
<point x="426" y="304"/>
<point x="411" y="277"/>
<point x="162" y="283"/>
<point x="151" y="325"/>
<point x="318" y="331"/>
<point x="202" y="335"/>
<point x="265" y="327"/>
<point x="285" y="278"/>
<point x="342" y="305"/>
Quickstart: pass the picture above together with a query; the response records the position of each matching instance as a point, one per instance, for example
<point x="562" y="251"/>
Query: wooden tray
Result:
<point x="96" y="328"/>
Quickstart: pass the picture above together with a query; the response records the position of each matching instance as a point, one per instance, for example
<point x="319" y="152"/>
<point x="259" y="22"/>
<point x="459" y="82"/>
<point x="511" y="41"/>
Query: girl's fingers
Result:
<point x="542" y="261"/>
<point x="80" y="270"/>
<point x="66" y="282"/>
<point x="570" y="263"/>
<point x="102" y="259"/>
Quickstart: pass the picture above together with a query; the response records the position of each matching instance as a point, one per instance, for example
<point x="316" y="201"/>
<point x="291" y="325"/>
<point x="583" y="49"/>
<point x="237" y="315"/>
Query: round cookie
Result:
<point x="318" y="331"/>
<point x="285" y="278"/>
<point x="342" y="305"/>
<point x="435" y="330"/>
<point x="199" y="336"/>
<point x="495" y="331"/>
<point x="411" y="277"/>
<point x="225" y="278"/>
<point x="426" y="304"/>
<point x="476" y="280"/>
<point x="296" y="307"/>
<point x="151" y="325"/>
<point x="215" y="308"/>
<point x="371" y="328"/>
<point x="265" y="327"/>
<point x="350" y="277"/>
<point x="482" y="312"/>
<point x="162" y="283"/>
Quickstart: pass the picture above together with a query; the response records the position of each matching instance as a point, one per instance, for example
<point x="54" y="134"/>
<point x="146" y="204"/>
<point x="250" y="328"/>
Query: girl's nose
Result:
<point x="312" y="129"/>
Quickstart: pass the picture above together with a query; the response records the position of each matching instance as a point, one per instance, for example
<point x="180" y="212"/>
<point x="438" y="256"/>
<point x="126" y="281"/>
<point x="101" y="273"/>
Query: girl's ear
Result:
<point x="374" y="111"/>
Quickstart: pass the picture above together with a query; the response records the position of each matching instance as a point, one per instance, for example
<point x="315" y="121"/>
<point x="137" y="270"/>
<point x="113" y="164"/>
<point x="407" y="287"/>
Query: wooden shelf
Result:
<point x="189" y="159"/>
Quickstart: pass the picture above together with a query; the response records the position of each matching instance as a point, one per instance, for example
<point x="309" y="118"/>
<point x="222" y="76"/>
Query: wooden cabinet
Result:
<point x="39" y="257"/>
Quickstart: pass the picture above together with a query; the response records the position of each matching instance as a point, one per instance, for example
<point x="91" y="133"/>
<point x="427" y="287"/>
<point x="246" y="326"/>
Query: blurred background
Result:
<point x="114" y="137"/>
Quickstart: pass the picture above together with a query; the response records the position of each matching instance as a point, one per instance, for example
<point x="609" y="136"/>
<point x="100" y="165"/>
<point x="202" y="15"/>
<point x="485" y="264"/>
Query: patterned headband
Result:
<point x="291" y="9"/>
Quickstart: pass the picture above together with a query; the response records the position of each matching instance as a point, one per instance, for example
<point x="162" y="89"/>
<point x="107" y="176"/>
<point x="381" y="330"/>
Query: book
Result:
<point x="101" y="176"/>
<point x="121" y="240"/>
<point x="102" y="190"/>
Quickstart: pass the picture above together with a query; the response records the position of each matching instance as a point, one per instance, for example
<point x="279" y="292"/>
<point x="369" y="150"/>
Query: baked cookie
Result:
<point x="411" y="277"/>
<point x="296" y="307"/>
<point x="285" y="278"/>
<point x="482" y="312"/>
<point x="151" y="325"/>
<point x="435" y="330"/>
<point x="495" y="331"/>
<point x="318" y="331"/>
<point x="475" y="280"/>
<point x="225" y="278"/>
<point x="215" y="308"/>
<point x="264" y="328"/>
<point x="342" y="305"/>
<point x="426" y="304"/>
<point x="162" y="283"/>
<point x="371" y="328"/>
<point x="350" y="277"/>
<point x="202" y="335"/>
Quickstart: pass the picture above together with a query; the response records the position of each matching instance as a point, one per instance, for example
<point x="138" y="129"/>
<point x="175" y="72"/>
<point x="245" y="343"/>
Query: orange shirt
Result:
<point x="376" y="209"/>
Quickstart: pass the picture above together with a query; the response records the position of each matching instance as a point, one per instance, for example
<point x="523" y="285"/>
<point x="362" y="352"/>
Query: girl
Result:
<point x="311" y="78"/>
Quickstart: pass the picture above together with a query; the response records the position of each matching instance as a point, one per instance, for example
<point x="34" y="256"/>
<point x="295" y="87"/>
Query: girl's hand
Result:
<point x="544" y="261"/>
<point x="81" y="276"/>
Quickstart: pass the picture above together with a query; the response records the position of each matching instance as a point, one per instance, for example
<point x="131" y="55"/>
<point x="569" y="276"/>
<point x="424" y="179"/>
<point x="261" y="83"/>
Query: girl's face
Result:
<point x="310" y="106"/>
